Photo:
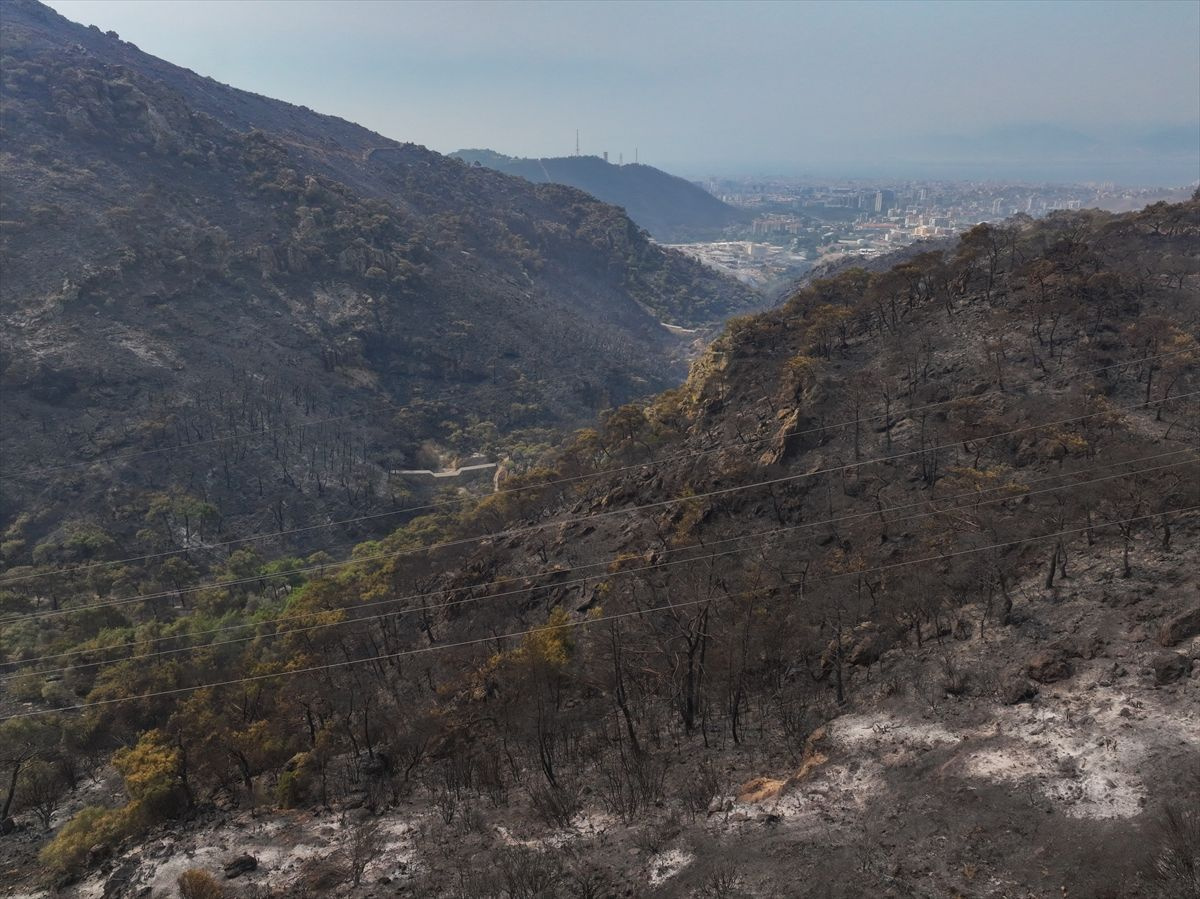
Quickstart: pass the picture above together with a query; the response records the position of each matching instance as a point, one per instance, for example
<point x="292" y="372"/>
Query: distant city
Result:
<point x="800" y="223"/>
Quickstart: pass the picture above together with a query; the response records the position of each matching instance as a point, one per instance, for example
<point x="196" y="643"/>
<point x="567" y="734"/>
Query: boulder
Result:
<point x="1017" y="688"/>
<point x="862" y="646"/>
<point x="243" y="864"/>
<point x="1048" y="666"/>
<point x="868" y="646"/>
<point x="1182" y="627"/>
<point x="1169" y="667"/>
<point x="119" y="884"/>
<point x="1081" y="646"/>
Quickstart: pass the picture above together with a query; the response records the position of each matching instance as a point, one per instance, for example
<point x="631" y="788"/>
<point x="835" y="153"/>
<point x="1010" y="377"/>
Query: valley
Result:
<point x="377" y="523"/>
<point x="831" y="607"/>
<point x="248" y="286"/>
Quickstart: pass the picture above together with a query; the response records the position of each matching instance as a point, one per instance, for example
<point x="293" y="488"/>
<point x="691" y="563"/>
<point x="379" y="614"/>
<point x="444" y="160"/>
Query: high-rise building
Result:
<point x="885" y="201"/>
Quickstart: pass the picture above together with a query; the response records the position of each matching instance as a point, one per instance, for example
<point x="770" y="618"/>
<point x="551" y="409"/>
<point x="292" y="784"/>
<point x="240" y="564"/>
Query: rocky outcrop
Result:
<point x="1181" y="627"/>
<point x="1048" y="666"/>
<point x="1169" y="667"/>
<point x="243" y="864"/>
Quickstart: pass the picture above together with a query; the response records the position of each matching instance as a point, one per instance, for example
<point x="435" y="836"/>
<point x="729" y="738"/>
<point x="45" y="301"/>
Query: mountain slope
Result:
<point x="185" y="263"/>
<point x="896" y="594"/>
<point x="672" y="209"/>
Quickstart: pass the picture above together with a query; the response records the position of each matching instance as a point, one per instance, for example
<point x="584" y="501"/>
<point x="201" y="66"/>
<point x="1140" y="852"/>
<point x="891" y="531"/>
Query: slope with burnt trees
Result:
<point x="899" y="587"/>
<point x="296" y="303"/>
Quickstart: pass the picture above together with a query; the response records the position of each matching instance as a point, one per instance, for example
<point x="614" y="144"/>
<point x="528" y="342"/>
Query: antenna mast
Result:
<point x="576" y="141"/>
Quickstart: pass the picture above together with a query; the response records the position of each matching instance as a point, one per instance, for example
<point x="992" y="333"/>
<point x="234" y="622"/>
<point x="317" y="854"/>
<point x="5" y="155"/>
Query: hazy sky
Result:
<point x="1097" y="88"/>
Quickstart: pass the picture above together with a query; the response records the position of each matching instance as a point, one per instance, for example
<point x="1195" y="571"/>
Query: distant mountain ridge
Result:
<point x="672" y="209"/>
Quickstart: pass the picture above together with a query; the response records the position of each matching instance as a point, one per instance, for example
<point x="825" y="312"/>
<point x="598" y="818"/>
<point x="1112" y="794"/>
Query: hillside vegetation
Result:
<point x="896" y="595"/>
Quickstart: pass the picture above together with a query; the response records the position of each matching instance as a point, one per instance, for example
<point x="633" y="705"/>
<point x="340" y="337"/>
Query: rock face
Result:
<point x="869" y="646"/>
<point x="1048" y="666"/>
<point x="243" y="864"/>
<point x="1016" y="689"/>
<point x="862" y="646"/>
<point x="1182" y="627"/>
<point x="1169" y="667"/>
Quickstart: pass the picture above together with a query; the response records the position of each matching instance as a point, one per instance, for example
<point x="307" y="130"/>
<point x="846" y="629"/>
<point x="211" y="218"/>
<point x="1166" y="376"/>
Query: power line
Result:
<point x="558" y="572"/>
<point x="699" y="557"/>
<point x="599" y="619"/>
<point x="908" y="413"/>
<point x="512" y="532"/>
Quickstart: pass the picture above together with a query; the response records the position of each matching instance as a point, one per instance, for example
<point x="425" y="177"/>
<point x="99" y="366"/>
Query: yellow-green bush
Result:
<point x="92" y="826"/>
<point x="152" y="779"/>
<point x="152" y="776"/>
<point x="197" y="884"/>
